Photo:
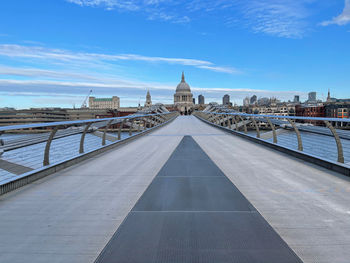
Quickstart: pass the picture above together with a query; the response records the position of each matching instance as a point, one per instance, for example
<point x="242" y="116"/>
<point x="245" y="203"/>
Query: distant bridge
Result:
<point x="214" y="187"/>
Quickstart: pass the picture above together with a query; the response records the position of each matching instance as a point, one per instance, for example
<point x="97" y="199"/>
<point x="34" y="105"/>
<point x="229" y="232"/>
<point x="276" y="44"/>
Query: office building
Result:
<point x="104" y="103"/>
<point x="201" y="99"/>
<point x="226" y="99"/>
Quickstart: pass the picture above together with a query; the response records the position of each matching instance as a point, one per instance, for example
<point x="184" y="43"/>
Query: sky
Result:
<point x="52" y="53"/>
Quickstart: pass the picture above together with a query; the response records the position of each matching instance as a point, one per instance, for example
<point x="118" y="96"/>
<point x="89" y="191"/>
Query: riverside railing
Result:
<point x="240" y="122"/>
<point x="109" y="131"/>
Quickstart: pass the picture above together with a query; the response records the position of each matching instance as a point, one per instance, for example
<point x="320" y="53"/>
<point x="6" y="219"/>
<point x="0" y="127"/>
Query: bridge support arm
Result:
<point x="244" y="125"/>
<point x="130" y="129"/>
<point x="273" y="130"/>
<point x="337" y="140"/>
<point x="235" y="121"/>
<point x="120" y="129"/>
<point x="139" y="127"/>
<point x="256" y="128"/>
<point x="82" y="139"/>
<point x="300" y="142"/>
<point x="47" y="147"/>
<point x="105" y="131"/>
<point x="230" y="122"/>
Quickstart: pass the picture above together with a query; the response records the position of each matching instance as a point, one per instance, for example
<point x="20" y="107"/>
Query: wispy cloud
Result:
<point x="154" y="9"/>
<point x="18" y="51"/>
<point x="108" y="4"/>
<point x="342" y="19"/>
<point x="282" y="18"/>
<point x="68" y="92"/>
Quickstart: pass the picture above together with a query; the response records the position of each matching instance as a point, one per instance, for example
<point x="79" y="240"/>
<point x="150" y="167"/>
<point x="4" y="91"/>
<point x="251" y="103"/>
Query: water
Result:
<point x="319" y="145"/>
<point x="61" y="149"/>
<point x="68" y="147"/>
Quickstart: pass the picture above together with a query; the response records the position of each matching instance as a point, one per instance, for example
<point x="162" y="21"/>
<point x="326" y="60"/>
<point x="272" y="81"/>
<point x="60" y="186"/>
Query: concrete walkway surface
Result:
<point x="70" y="216"/>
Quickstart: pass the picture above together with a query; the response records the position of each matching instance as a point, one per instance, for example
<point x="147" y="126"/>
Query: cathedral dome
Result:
<point x="183" y="86"/>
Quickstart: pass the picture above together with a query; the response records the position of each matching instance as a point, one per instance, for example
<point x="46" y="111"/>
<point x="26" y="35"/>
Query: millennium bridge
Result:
<point x="158" y="187"/>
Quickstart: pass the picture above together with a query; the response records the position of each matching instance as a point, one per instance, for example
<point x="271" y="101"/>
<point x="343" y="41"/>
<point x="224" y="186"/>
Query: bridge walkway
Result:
<point x="70" y="216"/>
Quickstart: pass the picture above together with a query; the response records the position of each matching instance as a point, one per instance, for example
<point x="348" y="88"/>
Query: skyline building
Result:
<point x="226" y="99"/>
<point x="253" y="99"/>
<point x="312" y="97"/>
<point x="148" y="102"/>
<point x="296" y="99"/>
<point x="201" y="99"/>
<point x="246" y="101"/>
<point x="183" y="98"/>
<point x="104" y="103"/>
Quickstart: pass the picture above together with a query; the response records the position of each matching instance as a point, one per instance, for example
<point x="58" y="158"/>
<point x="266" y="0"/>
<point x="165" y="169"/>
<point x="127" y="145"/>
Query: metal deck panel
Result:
<point x="192" y="194"/>
<point x="194" y="218"/>
<point x="203" y="237"/>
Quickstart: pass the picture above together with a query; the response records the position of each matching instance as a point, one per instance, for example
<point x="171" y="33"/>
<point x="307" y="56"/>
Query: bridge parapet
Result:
<point x="111" y="132"/>
<point x="304" y="128"/>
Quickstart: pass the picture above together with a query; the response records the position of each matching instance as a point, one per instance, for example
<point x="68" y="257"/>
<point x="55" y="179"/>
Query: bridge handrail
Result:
<point x="71" y="123"/>
<point x="280" y="116"/>
<point x="226" y="119"/>
<point x="148" y="120"/>
<point x="135" y="125"/>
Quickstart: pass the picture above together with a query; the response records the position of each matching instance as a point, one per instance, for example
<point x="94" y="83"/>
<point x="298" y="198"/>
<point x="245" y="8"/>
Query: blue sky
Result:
<point x="53" y="52"/>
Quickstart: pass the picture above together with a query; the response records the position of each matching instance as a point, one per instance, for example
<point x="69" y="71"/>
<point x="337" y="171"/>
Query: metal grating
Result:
<point x="194" y="215"/>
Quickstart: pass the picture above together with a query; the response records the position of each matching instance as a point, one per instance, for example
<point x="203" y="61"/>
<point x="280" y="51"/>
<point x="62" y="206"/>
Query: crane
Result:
<point x="85" y="100"/>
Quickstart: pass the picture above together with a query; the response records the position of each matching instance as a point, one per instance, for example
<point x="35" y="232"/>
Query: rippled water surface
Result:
<point x="61" y="149"/>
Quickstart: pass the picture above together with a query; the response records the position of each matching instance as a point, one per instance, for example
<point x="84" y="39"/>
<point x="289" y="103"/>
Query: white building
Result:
<point x="183" y="98"/>
<point x="148" y="102"/>
<point x="104" y="103"/>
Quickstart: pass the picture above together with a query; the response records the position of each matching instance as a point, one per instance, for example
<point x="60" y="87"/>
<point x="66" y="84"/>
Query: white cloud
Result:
<point x="282" y="18"/>
<point x="129" y="91"/>
<point x="342" y="19"/>
<point x="108" y="4"/>
<point x="42" y="53"/>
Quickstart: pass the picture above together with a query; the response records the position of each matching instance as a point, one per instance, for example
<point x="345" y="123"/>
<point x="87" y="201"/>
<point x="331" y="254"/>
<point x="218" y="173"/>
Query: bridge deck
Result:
<point x="70" y="216"/>
<point x="191" y="212"/>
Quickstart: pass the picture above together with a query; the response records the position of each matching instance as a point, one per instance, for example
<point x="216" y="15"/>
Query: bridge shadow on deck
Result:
<point x="191" y="212"/>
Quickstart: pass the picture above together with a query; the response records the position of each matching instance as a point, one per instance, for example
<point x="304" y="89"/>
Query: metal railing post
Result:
<point x="213" y="119"/>
<point x="300" y="142"/>
<point x="130" y="129"/>
<point x="273" y="130"/>
<point x="120" y="129"/>
<point x="105" y="131"/>
<point x="139" y="127"/>
<point x="231" y="123"/>
<point x="227" y="123"/>
<point x="244" y="124"/>
<point x="48" y="145"/>
<point x="162" y="118"/>
<point x="82" y="139"/>
<point x="256" y="127"/>
<point x="235" y="121"/>
<point x="218" y="120"/>
<point x="337" y="140"/>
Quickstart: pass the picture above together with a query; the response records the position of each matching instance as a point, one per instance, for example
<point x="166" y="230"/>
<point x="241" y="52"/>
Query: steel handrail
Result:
<point x="87" y="126"/>
<point x="70" y="123"/>
<point x="268" y="119"/>
<point x="280" y="117"/>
